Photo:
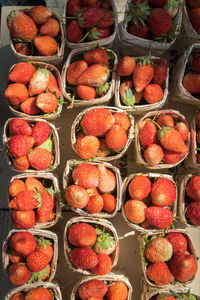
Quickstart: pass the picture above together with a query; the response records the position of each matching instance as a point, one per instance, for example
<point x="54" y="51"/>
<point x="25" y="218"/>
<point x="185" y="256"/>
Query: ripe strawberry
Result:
<point x="122" y="120"/>
<point x="46" y="45"/>
<point x="182" y="129"/>
<point x="95" y="75"/>
<point x="125" y="66"/>
<point x="92" y="288"/>
<point x="194" y="3"/>
<point x="40" y="14"/>
<point x="39" y="293"/>
<point x="117" y="291"/>
<point x="47" y="102"/>
<point x="157" y="3"/>
<point x="16" y="93"/>
<point x="21" y="26"/>
<point x="74" y="71"/>
<point x="73" y="6"/>
<point x="53" y="86"/>
<point x="45" y="246"/>
<point x="139" y="187"/>
<point x="191" y="82"/>
<point x="116" y="138"/>
<point x="37" y="261"/>
<point x="86" y="92"/>
<point x="135" y="211"/>
<point x="91" y="16"/>
<point x="46" y="208"/>
<point x="22" y="48"/>
<point x="39" y="82"/>
<point x="18" y="296"/>
<point x="92" y="191"/>
<point x="194" y="19"/>
<point x="153" y="93"/>
<point x="22" y="72"/>
<point x="21" y="164"/>
<point x="20" y="145"/>
<point x="74" y="32"/>
<point x="87" y="147"/>
<point x="16" y="186"/>
<point x="23" y="243"/>
<point x="153" y="154"/>
<point x="148" y="134"/>
<point x="160" y="273"/>
<point x="40" y="159"/>
<point x="106" y="20"/>
<point x="99" y="33"/>
<point x="51" y="27"/>
<point x="198" y="136"/>
<point x="76" y="196"/>
<point x="96" y="56"/>
<point x="171" y="157"/>
<point x="23" y="219"/>
<point x="163" y="192"/>
<point x="95" y="204"/>
<point x="139" y="30"/>
<point x="158" y="250"/>
<point x="97" y="121"/>
<point x="104" y="265"/>
<point x="19" y="126"/>
<point x="192" y="188"/>
<point x="41" y="132"/>
<point x="86" y="175"/>
<point x="33" y="184"/>
<point x="84" y="258"/>
<point x="165" y="120"/>
<point x="160" y="21"/>
<point x="107" y="180"/>
<point x="109" y="203"/>
<point x="171" y="139"/>
<point x="93" y="3"/>
<point x="160" y="71"/>
<point x="183" y="267"/>
<point x="18" y="273"/>
<point x="159" y="217"/>
<point x="44" y="274"/>
<point x="29" y="106"/>
<point x="193" y="213"/>
<point x="178" y="241"/>
<point x="82" y="235"/>
<point x="103" y="149"/>
<point x="25" y="200"/>
<point x="142" y="75"/>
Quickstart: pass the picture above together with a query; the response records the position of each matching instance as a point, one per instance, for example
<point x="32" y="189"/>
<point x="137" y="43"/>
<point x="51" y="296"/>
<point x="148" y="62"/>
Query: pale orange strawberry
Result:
<point x="107" y="180"/>
<point x="117" y="291"/>
<point x="153" y="154"/>
<point x="95" y="75"/>
<point x="40" y="14"/>
<point x="25" y="200"/>
<point x="53" y="86"/>
<point x="22" y="72"/>
<point x="109" y="202"/>
<point x="86" y="92"/>
<point x="47" y="102"/>
<point x="191" y="82"/>
<point x="33" y="184"/>
<point x="95" y="204"/>
<point x="51" y="27"/>
<point x="183" y="129"/>
<point x="125" y="66"/>
<point x="96" y="56"/>
<point x="46" y="208"/>
<point x="171" y="140"/>
<point x="23" y="219"/>
<point x="165" y="120"/>
<point x="87" y="147"/>
<point x="76" y="196"/>
<point x="21" y="164"/>
<point x="74" y="71"/>
<point x="16" y="186"/>
<point x="122" y="120"/>
<point x="39" y="293"/>
<point x="46" y="45"/>
<point x="116" y="138"/>
<point x="29" y="106"/>
<point x="16" y="93"/>
<point x="135" y="211"/>
<point x="142" y="75"/>
<point x="86" y="175"/>
<point x="40" y="159"/>
<point x="139" y="187"/>
<point x="39" y="82"/>
<point x="153" y="93"/>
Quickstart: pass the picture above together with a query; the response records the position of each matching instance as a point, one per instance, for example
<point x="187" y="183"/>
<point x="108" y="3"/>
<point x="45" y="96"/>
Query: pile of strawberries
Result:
<point x="174" y="295"/>
<point x="153" y="19"/>
<point x="98" y="289"/>
<point x="91" y="20"/>
<point x="90" y="77"/>
<point x="102" y="133"/>
<point x="93" y="189"/>
<point x="31" y="202"/>
<point x="91" y="247"/>
<point x="36" y="293"/>
<point x="30" y="258"/>
<point x="168" y="258"/>
<point x="143" y="80"/>
<point x="192" y="74"/>
<point x="163" y="139"/>
<point x="30" y="145"/>
<point x="32" y="90"/>
<point x="35" y="31"/>
<point x="151" y="202"/>
<point x="193" y="7"/>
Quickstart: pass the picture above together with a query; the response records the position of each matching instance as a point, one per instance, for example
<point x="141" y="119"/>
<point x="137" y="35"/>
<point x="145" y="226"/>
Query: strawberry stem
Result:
<point x="159" y="127"/>
<point x="85" y="36"/>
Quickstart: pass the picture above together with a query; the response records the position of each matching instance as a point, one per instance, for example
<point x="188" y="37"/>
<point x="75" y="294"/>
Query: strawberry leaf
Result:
<point x="48" y="145"/>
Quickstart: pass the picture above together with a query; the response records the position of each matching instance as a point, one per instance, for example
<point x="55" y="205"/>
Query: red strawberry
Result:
<point x="159" y="217"/>
<point x="194" y="19"/>
<point x="96" y="56"/>
<point x="122" y="120"/>
<point x="25" y="200"/>
<point x="93" y="3"/>
<point x="183" y="267"/>
<point x="125" y="66"/>
<point x="95" y="75"/>
<point x="22" y="48"/>
<point x="29" y="106"/>
<point x="160" y="273"/>
<point x="16" y="93"/>
<point x="163" y="192"/>
<point x="171" y="157"/>
<point x="23" y="243"/>
<point x="106" y="20"/>
<point x="20" y="145"/>
<point x="39" y="293"/>
<point x="22" y="72"/>
<point x="139" y="30"/>
<point x="196" y="65"/>
<point x="116" y="138"/>
<point x="193" y="213"/>
<point x="45" y="246"/>
<point x="86" y="175"/>
<point x="76" y="196"/>
<point x="191" y="82"/>
<point x="23" y="219"/>
<point x="40" y="159"/>
<point x="103" y="149"/>
<point x="40" y="14"/>
<point x="171" y="139"/>
<point x="87" y="147"/>
<point x="160" y="21"/>
<point x="139" y="187"/>
<point x="192" y="188"/>
<point x="82" y="235"/>
<point x="99" y="33"/>
<point x="178" y="241"/>
<point x="194" y="3"/>
<point x="109" y="202"/>
<point x="18" y="296"/>
<point x="21" y="164"/>
<point x="86" y="92"/>
<point x="91" y="16"/>
<point x="46" y="208"/>
<point x="92" y="289"/>
<point x="47" y="102"/>
<point x="37" y="261"/>
<point x="157" y="3"/>
<point x="153" y="154"/>
<point x="73" y="6"/>
<point x="198" y="136"/>
<point x="160" y="71"/>
<point x="74" y="32"/>
<point x="19" y="126"/>
<point x="39" y="82"/>
<point x="51" y="27"/>
<point x="46" y="45"/>
<point x="165" y="120"/>
<point x="18" y="273"/>
<point x="84" y="258"/>
<point x="33" y="184"/>
<point x="107" y="180"/>
<point x="183" y="129"/>
<point x="41" y="132"/>
<point x="104" y="265"/>
<point x="16" y="186"/>
<point x="153" y="93"/>
<point x="142" y="75"/>
<point x="53" y="86"/>
<point x="74" y="71"/>
<point x="95" y="204"/>
<point x="148" y="134"/>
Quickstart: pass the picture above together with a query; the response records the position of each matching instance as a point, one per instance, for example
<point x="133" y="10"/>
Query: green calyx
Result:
<point x="168" y="37"/>
<point x="37" y="276"/>
<point x="104" y="239"/>
<point x="185" y="296"/>
<point x="41" y="241"/>
<point x="103" y="89"/>
<point x="173" y="4"/>
<point x="163" y="131"/>
<point x="138" y="12"/>
<point x="48" y="145"/>
<point x="128" y="97"/>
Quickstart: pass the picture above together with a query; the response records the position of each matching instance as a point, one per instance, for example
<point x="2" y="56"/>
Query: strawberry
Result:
<point x="165" y="120"/>
<point x="25" y="200"/>
<point x="191" y="82"/>
<point x="95" y="204"/>
<point x="19" y="126"/>
<point x="107" y="180"/>
<point x="103" y="149"/>
<point x="18" y="296"/>
<point x="139" y="187"/>
<point x="198" y="136"/>
<point x="53" y="86"/>
<point x="46" y="208"/>
<point x="37" y="261"/>
<point x="84" y="258"/>
<point x="160" y="273"/>
<point x="16" y="186"/>
<point x="97" y="121"/>
<point x="193" y="213"/>
<point x="192" y="188"/>
<point x="117" y="290"/>
<point x="103" y="89"/>
<point x="142" y="74"/>
<point x="39" y="293"/>
<point x="39" y="82"/>
<point x="160" y="21"/>
<point x="23" y="219"/>
<point x="104" y="265"/>
<point x="138" y="12"/>
<point x="23" y="48"/>
<point x="160" y="71"/>
<point x="196" y="65"/>
<point x="194" y="3"/>
<point x="41" y="132"/>
<point x="126" y="92"/>
<point x="21" y="26"/>
<point x="171" y="157"/>
<point x="109" y="203"/>
<point x="16" y="93"/>
<point x="23" y="243"/>
<point x="96" y="56"/>
<point x="93" y="3"/>
<point x="92" y="191"/>
<point x="135" y="211"/>
<point x="18" y="273"/>
<point x="157" y="3"/>
<point x="159" y="217"/>
<point x="183" y="267"/>
<point x="171" y="139"/>
<point x="74" y="32"/>
<point x="33" y="184"/>
<point x="148" y="134"/>
<point x="76" y="196"/>
<point x="99" y="33"/>
<point x="92" y="288"/>
<point x="86" y="175"/>
<point x="95" y="75"/>
<point x="178" y="242"/>
<point x="86" y="92"/>
<point x="51" y="27"/>
<point x="194" y="19"/>
<point x="90" y="16"/>
<point x="40" y="14"/>
<point x="153" y="93"/>
<point x="87" y="147"/>
<point x="139" y="30"/>
<point x="22" y="72"/>
<point x="73" y="6"/>
<point x="116" y="138"/>
<point x="40" y="159"/>
<point x="20" y="145"/>
<point x="74" y="71"/>
<point x="21" y="164"/>
<point x="182" y="129"/>
<point x="158" y="250"/>
<point x="45" y="246"/>
<point x="163" y="192"/>
<point x="29" y="106"/>
<point x="47" y="102"/>
<point x="122" y="120"/>
<point x="106" y="20"/>
<point x="125" y="66"/>
<point x="105" y="243"/>
<point x="82" y="235"/>
<point x="46" y="45"/>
